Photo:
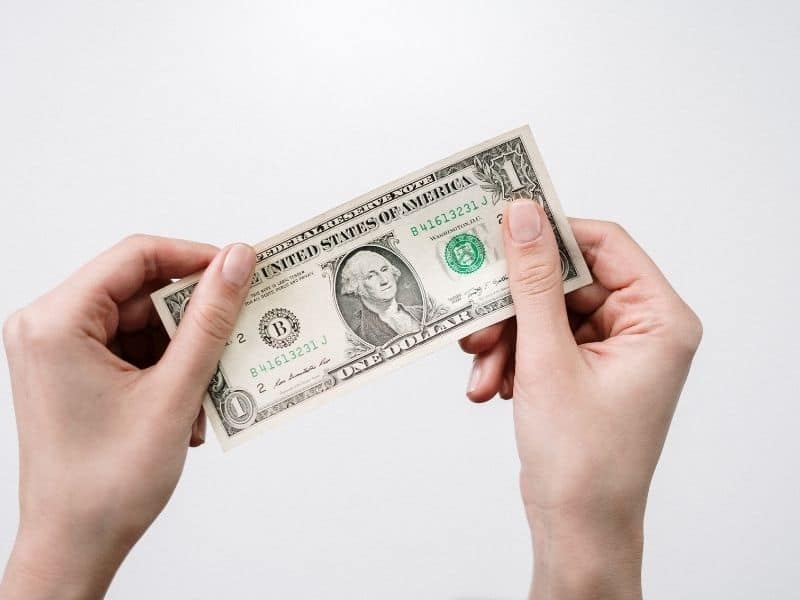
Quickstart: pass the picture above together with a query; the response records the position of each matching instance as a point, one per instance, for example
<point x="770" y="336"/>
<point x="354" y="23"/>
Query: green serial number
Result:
<point x="448" y="216"/>
<point x="288" y="356"/>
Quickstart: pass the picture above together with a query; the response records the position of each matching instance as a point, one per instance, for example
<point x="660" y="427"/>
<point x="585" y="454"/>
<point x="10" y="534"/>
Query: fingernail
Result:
<point x="474" y="377"/>
<point x="523" y="221"/>
<point x="238" y="265"/>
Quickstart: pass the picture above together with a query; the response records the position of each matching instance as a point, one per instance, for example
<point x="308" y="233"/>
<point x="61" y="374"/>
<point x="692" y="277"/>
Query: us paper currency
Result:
<point x="374" y="283"/>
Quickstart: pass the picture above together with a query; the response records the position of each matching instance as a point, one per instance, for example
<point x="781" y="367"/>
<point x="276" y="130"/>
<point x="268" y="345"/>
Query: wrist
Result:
<point x="586" y="554"/>
<point x="55" y="562"/>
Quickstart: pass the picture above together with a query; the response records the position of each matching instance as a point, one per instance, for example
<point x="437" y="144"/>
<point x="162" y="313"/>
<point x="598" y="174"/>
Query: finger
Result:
<point x="534" y="272"/>
<point x="586" y="300"/>
<point x="120" y="271"/>
<point x="191" y="358"/>
<point x="137" y="312"/>
<point x="589" y="331"/>
<point x="483" y="339"/>
<point x="487" y="372"/>
<point x="507" y="383"/>
<point x="198" y="430"/>
<point x="575" y="320"/>
<point x="615" y="259"/>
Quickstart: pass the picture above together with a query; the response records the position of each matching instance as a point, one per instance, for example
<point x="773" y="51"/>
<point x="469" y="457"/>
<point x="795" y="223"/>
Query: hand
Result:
<point x="103" y="427"/>
<point x="595" y="381"/>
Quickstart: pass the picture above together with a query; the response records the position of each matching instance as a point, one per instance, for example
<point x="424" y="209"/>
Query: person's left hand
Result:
<point x="104" y="419"/>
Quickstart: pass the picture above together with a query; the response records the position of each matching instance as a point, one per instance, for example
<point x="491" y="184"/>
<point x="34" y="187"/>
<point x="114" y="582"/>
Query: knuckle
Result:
<point x="611" y="230"/>
<point x="617" y="230"/>
<point x="213" y="319"/>
<point x="23" y="331"/>
<point x="616" y="227"/>
<point x="694" y="328"/>
<point x="145" y="246"/>
<point x="687" y="331"/>
<point x="136" y="239"/>
<point x="537" y="278"/>
<point x="11" y="328"/>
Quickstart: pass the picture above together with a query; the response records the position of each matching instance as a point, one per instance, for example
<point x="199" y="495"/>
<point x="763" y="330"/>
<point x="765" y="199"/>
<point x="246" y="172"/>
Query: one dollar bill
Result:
<point x="374" y="283"/>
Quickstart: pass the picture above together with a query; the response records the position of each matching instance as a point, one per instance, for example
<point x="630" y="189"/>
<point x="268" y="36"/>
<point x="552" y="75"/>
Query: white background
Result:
<point x="233" y="121"/>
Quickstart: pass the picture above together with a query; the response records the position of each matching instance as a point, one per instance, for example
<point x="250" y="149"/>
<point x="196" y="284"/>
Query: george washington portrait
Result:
<point x="378" y="295"/>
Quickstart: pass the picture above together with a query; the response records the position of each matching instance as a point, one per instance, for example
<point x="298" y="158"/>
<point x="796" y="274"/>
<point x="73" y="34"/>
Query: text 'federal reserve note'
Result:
<point x="374" y="283"/>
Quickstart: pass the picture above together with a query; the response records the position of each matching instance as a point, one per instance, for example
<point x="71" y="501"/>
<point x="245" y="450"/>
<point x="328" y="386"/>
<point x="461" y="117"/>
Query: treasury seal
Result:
<point x="239" y="409"/>
<point x="279" y="328"/>
<point x="465" y="253"/>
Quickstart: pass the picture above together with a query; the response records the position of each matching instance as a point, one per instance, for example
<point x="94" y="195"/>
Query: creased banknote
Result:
<point x="374" y="283"/>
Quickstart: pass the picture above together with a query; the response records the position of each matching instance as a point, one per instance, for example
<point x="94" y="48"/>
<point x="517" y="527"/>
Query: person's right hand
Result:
<point x="595" y="381"/>
<point x="106" y="410"/>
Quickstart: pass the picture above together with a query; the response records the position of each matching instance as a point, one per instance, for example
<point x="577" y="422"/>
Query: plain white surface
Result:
<point x="233" y="121"/>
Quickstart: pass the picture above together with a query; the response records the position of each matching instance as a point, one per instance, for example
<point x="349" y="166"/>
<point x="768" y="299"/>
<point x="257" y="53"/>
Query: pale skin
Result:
<point x="594" y="380"/>
<point x="594" y="384"/>
<point x="102" y="445"/>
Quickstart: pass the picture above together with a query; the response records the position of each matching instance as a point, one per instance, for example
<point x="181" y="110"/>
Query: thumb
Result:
<point x="534" y="272"/>
<point x="191" y="358"/>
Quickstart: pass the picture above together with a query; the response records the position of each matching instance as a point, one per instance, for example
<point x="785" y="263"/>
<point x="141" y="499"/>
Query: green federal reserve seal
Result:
<point x="464" y="253"/>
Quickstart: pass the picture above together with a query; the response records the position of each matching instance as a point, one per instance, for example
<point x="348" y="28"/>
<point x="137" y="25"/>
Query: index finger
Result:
<point x="120" y="271"/>
<point x="615" y="259"/>
<point x="482" y="340"/>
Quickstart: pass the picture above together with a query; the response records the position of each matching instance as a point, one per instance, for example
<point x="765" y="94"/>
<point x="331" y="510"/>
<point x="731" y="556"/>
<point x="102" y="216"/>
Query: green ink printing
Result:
<point x="464" y="253"/>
